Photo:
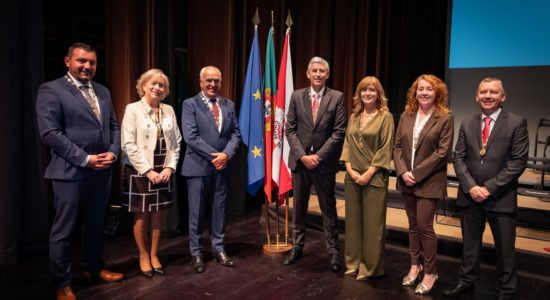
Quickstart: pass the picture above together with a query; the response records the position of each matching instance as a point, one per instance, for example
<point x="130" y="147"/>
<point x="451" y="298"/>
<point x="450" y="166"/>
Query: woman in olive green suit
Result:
<point x="367" y="156"/>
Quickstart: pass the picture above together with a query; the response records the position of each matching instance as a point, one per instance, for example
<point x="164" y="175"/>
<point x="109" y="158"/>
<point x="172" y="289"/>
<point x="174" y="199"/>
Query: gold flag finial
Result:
<point x="256" y="19"/>
<point x="288" y="20"/>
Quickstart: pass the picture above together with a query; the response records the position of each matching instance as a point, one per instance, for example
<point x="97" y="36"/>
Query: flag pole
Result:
<point x="280" y="247"/>
<point x="256" y="22"/>
<point x="288" y="25"/>
<point x="277" y="231"/>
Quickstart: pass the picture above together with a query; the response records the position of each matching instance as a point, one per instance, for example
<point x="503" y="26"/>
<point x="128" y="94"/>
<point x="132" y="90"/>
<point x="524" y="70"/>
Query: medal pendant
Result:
<point x="482" y="151"/>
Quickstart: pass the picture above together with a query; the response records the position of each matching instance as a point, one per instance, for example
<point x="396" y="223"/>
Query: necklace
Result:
<point x="156" y="117"/>
<point x="366" y="118"/>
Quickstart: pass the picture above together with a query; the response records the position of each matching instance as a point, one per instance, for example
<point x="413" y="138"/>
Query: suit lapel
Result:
<point x="499" y="124"/>
<point x="206" y="110"/>
<point x="323" y="106"/>
<point x="225" y="113"/>
<point x="308" y="105"/>
<point x="103" y="109"/>
<point x="477" y="130"/>
<point x="80" y="98"/>
<point x="408" y="123"/>
<point x="431" y="122"/>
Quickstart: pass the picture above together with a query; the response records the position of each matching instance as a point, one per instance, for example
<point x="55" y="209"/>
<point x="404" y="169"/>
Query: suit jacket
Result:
<point x="326" y="136"/>
<point x="202" y="136"/>
<point x="69" y="127"/>
<point x="432" y="153"/>
<point x="499" y="170"/>
<point x="139" y="136"/>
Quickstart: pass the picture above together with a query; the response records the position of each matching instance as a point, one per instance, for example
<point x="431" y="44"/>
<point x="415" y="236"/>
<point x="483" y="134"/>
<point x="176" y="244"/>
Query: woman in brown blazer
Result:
<point x="422" y="147"/>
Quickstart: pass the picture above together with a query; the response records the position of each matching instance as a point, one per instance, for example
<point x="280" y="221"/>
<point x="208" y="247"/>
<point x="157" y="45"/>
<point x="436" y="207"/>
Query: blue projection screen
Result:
<point x="509" y="40"/>
<point x="499" y="33"/>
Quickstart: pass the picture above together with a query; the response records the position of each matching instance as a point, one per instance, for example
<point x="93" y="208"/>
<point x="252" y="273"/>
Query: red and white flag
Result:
<point x="281" y="148"/>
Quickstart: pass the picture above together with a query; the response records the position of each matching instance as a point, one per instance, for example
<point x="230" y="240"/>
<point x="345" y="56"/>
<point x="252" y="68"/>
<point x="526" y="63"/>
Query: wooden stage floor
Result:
<point x="256" y="276"/>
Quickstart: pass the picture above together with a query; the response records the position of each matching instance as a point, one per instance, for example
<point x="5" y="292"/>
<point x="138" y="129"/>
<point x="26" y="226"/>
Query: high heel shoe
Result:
<point x="159" y="270"/>
<point x="409" y="280"/>
<point x="351" y="272"/>
<point x="361" y="277"/>
<point x="421" y="289"/>
<point x="142" y="264"/>
<point x="148" y="274"/>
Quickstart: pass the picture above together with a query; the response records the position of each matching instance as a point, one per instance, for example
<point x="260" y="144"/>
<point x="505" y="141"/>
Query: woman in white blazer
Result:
<point x="151" y="146"/>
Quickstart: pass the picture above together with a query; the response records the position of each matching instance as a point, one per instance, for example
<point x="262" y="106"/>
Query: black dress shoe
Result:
<point x="224" y="260"/>
<point x="159" y="270"/>
<point x="458" y="290"/>
<point x="333" y="263"/>
<point x="198" y="264"/>
<point x="293" y="257"/>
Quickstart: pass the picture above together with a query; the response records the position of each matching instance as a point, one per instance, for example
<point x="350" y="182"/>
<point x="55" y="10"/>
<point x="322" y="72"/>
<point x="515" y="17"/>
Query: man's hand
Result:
<point x="220" y="160"/>
<point x="310" y="161"/>
<point x="104" y="160"/>
<point x="479" y="193"/>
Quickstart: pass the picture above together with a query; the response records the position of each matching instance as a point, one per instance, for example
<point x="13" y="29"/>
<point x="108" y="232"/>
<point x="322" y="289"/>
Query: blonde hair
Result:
<point x="145" y="77"/>
<point x="381" y="101"/>
<point x="441" y="101"/>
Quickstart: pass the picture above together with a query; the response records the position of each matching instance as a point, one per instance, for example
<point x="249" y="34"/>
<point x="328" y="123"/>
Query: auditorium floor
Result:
<point x="256" y="276"/>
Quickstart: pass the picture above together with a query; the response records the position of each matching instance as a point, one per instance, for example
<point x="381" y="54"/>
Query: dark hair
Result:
<point x="78" y="45"/>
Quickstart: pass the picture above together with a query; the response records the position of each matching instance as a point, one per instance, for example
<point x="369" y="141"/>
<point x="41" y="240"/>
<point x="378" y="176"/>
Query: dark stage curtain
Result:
<point x="23" y="202"/>
<point x="394" y="40"/>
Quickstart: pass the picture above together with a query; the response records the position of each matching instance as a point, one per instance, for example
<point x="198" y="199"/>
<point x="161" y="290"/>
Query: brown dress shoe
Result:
<point x="65" y="293"/>
<point x="107" y="275"/>
<point x="104" y="275"/>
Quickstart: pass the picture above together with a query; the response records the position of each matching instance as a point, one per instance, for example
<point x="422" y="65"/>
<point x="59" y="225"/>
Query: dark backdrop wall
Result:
<point x="394" y="40"/>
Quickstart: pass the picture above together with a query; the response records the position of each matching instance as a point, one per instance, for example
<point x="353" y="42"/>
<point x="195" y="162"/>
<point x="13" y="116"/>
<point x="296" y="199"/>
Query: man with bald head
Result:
<point x="490" y="155"/>
<point x="210" y="130"/>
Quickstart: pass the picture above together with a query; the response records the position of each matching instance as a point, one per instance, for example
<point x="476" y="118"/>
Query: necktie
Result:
<point x="486" y="129"/>
<point x="215" y="112"/>
<point x="315" y="107"/>
<point x="88" y="97"/>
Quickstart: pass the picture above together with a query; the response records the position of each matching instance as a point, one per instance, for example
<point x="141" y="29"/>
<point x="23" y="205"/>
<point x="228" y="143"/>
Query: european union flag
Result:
<point x="251" y="119"/>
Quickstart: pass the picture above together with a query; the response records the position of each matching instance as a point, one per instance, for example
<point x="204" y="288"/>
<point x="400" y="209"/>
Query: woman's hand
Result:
<point x="153" y="176"/>
<point x="363" y="179"/>
<point x="408" y="178"/>
<point x="165" y="174"/>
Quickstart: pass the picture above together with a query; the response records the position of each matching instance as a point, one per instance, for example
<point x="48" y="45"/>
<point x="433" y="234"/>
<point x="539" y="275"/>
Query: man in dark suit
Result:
<point x="77" y="122"/>
<point x="210" y="130"/>
<point x="490" y="155"/>
<point x="316" y="124"/>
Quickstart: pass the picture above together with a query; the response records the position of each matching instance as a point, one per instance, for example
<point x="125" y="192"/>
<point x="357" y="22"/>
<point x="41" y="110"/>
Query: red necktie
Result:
<point x="215" y="112"/>
<point x="486" y="129"/>
<point x="315" y="107"/>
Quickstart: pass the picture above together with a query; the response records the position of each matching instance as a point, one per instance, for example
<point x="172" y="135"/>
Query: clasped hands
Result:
<point x="310" y="161"/>
<point x="101" y="161"/>
<point x="161" y="177"/>
<point x="360" y="179"/>
<point x="408" y="178"/>
<point x="479" y="193"/>
<point x="220" y="160"/>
